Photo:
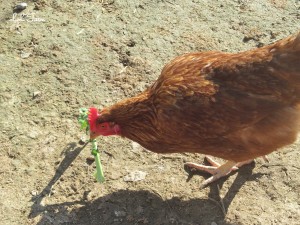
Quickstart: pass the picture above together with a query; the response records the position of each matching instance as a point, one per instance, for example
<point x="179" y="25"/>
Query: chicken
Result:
<point x="233" y="106"/>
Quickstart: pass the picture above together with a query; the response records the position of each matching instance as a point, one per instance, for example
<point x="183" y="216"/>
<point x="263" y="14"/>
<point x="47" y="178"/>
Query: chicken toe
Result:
<point x="216" y="169"/>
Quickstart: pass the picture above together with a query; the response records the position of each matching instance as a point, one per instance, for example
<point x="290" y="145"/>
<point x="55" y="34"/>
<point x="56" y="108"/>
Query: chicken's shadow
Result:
<point x="135" y="207"/>
<point x="71" y="151"/>
<point x="128" y="207"/>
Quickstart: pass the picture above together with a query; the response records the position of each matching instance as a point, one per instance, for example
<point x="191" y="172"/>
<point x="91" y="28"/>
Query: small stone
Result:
<point x="136" y="147"/>
<point x="120" y="213"/>
<point x="213" y="223"/>
<point x="25" y="55"/>
<point x="34" y="193"/>
<point x="135" y="176"/>
<point x="161" y="168"/>
<point x="43" y="202"/>
<point x="20" y="6"/>
<point x="82" y="140"/>
<point x="36" y="94"/>
<point x="43" y="71"/>
<point x="90" y="160"/>
<point x="90" y="196"/>
<point x="33" y="134"/>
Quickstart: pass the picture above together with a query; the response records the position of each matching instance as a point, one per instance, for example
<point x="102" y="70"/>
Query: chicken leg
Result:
<point x="216" y="169"/>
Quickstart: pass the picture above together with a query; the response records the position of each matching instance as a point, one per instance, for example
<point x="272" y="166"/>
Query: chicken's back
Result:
<point x="234" y="106"/>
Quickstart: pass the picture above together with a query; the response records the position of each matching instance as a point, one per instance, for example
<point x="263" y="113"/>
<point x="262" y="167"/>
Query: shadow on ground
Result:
<point x="128" y="207"/>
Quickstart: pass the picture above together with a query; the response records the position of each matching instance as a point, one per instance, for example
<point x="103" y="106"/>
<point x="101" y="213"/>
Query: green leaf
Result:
<point x="83" y="119"/>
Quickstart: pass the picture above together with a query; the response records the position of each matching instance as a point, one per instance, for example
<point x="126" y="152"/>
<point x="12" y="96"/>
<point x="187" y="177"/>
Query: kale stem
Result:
<point x="99" y="172"/>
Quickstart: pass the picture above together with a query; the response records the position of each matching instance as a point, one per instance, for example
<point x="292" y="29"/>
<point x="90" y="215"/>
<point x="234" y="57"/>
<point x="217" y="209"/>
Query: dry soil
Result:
<point x="57" y="56"/>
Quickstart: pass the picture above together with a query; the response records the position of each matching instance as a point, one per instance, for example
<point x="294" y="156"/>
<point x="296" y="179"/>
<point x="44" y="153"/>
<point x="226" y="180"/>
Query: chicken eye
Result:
<point x="102" y="126"/>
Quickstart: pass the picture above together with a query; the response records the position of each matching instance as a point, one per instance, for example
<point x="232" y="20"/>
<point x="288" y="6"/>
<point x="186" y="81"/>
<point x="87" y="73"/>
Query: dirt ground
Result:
<point x="63" y="55"/>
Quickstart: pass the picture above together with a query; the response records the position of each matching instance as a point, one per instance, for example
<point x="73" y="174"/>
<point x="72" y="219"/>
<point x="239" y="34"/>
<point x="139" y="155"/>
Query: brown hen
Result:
<point x="233" y="106"/>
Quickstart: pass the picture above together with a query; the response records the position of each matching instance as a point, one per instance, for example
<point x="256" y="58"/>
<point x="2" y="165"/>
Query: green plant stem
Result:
<point x="99" y="172"/>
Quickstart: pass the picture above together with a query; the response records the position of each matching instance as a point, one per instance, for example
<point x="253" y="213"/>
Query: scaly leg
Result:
<point x="216" y="169"/>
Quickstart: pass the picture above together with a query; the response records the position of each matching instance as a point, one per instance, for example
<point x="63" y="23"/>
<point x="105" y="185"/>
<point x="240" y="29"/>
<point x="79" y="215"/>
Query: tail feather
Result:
<point x="286" y="58"/>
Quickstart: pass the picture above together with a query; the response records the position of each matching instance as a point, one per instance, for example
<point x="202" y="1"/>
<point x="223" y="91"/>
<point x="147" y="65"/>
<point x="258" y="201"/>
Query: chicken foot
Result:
<point x="216" y="169"/>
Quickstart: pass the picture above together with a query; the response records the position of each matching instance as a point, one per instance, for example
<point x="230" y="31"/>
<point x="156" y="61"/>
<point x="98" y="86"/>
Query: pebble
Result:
<point x="34" y="193"/>
<point x="20" y="6"/>
<point x="161" y="168"/>
<point x="213" y="223"/>
<point x="36" y="94"/>
<point x="135" y="176"/>
<point x="82" y="140"/>
<point x="120" y="213"/>
<point x="25" y="55"/>
<point x="33" y="134"/>
<point x="136" y="147"/>
<point x="43" y="202"/>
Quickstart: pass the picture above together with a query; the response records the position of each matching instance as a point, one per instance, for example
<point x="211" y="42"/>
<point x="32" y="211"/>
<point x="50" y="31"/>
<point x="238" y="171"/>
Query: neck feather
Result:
<point x="129" y="110"/>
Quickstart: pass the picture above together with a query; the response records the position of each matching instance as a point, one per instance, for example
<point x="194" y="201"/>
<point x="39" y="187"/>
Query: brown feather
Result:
<point x="234" y="106"/>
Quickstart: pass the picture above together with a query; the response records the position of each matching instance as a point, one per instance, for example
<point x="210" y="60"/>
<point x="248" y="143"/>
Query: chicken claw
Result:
<point x="216" y="169"/>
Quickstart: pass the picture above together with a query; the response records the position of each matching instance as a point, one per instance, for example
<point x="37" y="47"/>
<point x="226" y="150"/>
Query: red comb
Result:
<point x="92" y="117"/>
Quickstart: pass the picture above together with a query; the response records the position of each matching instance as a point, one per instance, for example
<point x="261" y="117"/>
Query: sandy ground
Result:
<point x="63" y="55"/>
